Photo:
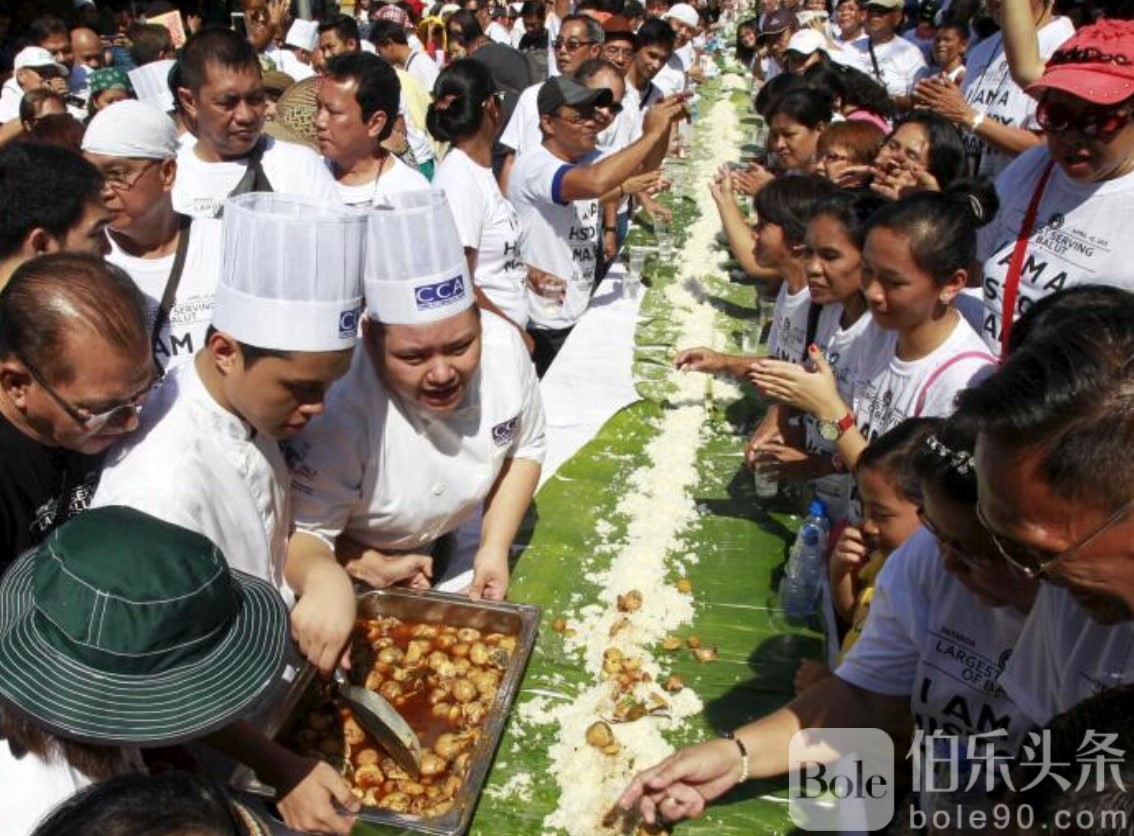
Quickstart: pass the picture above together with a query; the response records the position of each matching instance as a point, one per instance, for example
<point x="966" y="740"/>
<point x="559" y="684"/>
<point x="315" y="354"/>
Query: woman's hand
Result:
<point x="680" y="786"/>
<point x="749" y="181"/>
<point x="381" y="570"/>
<point x="944" y="97"/>
<point x="720" y="189"/>
<point x="490" y="574"/>
<point x="902" y="178"/>
<point x="769" y="432"/>
<point x="814" y="392"/>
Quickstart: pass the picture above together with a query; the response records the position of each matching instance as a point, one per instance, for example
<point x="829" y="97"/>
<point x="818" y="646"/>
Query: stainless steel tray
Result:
<point x="522" y="620"/>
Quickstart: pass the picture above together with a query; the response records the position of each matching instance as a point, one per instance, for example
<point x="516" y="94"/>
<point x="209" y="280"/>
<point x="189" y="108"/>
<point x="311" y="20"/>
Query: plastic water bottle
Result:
<point x="799" y="590"/>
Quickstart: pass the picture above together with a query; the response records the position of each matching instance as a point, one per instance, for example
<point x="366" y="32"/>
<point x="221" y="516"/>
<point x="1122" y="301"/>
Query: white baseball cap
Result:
<point x="36" y="57"/>
<point x="806" y="41"/>
<point x="684" y="13"/>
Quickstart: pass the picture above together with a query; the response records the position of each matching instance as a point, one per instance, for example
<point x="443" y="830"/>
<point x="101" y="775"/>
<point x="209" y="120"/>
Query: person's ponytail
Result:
<point x="459" y="96"/>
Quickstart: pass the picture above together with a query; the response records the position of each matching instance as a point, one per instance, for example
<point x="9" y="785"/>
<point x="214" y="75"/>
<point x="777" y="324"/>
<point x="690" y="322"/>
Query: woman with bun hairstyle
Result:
<point x="918" y="351"/>
<point x="467" y="112"/>
<point x="795" y="123"/>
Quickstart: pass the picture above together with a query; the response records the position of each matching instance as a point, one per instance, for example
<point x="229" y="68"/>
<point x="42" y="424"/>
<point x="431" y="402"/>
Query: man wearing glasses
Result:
<point x="556" y="187"/>
<point x="174" y="261"/>
<point x="75" y="368"/>
<point x="1055" y="482"/>
<point x="580" y="38"/>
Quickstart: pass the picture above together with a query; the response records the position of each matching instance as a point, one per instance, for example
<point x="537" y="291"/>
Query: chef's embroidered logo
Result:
<point x="348" y="323"/>
<point x="439" y="293"/>
<point x="503" y="433"/>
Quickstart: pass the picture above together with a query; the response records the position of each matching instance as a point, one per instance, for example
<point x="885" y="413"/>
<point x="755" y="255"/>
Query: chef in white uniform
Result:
<point x="439" y="415"/>
<point x="207" y="455"/>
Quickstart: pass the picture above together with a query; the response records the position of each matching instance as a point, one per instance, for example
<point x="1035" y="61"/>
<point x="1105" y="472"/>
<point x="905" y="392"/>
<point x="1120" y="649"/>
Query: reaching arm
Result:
<point x="504" y="510"/>
<point x="1021" y="41"/>
<point x="585" y="182"/>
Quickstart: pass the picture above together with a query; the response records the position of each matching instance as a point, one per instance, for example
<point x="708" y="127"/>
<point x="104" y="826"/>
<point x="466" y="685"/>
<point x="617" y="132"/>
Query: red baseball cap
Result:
<point x="1095" y="64"/>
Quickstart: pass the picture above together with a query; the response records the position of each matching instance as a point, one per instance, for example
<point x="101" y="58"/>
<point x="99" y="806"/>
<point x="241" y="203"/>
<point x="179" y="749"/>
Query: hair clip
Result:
<point x="445" y="102"/>
<point x="960" y="461"/>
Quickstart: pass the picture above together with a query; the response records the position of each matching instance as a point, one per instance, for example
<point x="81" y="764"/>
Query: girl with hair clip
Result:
<point x="467" y="111"/>
<point x="945" y="614"/>
<point x="918" y="351"/>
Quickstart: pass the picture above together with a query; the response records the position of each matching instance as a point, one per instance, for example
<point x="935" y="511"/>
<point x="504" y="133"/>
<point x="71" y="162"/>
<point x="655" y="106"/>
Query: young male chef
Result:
<point x="439" y="414"/>
<point x="207" y="455"/>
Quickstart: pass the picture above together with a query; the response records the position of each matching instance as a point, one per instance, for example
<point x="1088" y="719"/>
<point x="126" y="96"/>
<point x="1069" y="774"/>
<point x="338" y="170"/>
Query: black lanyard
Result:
<point x="169" y="295"/>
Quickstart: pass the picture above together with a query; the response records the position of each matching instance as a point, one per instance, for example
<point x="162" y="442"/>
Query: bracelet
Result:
<point x="743" y="756"/>
<point x="977" y="120"/>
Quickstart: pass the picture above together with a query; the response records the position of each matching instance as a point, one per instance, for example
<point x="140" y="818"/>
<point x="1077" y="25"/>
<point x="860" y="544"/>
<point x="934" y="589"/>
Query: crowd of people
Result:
<point x="276" y="300"/>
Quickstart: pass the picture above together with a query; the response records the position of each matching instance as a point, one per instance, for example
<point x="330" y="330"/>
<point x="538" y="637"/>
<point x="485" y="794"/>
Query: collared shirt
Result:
<point x="397" y="477"/>
<point x="195" y="464"/>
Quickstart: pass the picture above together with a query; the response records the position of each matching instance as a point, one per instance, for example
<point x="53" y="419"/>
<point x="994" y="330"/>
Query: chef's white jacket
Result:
<point x="197" y="465"/>
<point x="396" y="477"/>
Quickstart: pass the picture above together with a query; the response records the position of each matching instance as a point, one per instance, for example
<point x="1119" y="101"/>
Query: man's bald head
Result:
<point x="87" y="46"/>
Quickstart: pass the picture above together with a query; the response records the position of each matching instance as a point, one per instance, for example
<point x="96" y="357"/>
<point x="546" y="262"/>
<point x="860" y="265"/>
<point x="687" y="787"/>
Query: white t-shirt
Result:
<point x="836" y="343"/>
<point x="886" y="390"/>
<point x="201" y="188"/>
<point x="498" y="33"/>
<point x="184" y="331"/>
<point x="395" y="180"/>
<point x="556" y="237"/>
<point x="1063" y="656"/>
<point x="33" y="788"/>
<point x="395" y="477"/>
<point x="522" y="132"/>
<point x="989" y="87"/>
<point x="1077" y="238"/>
<point x="899" y="63"/>
<point x="929" y="638"/>
<point x="288" y="62"/>
<point x="487" y="222"/>
<point x="787" y="339"/>
<point x="195" y="464"/>
<point x="423" y="69"/>
<point x="670" y="78"/>
<point x="10" y="96"/>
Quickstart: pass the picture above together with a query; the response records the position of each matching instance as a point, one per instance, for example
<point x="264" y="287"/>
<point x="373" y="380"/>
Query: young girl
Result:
<point x="917" y="352"/>
<point x="783" y="208"/>
<point x="891" y="496"/>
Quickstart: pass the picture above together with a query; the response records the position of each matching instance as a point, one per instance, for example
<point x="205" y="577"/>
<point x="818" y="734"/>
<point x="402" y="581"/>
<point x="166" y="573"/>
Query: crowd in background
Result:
<point x="278" y="292"/>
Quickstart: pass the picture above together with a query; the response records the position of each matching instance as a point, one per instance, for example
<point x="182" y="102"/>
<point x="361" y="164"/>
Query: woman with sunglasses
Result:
<point x="945" y="614"/>
<point x="467" y="112"/>
<point x="1066" y="205"/>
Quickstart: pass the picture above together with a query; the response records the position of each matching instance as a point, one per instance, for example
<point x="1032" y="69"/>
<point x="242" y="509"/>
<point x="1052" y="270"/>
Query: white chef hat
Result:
<point x="151" y="84"/>
<point x="131" y="128"/>
<point x="292" y="273"/>
<point x="416" y="271"/>
<point x="303" y="34"/>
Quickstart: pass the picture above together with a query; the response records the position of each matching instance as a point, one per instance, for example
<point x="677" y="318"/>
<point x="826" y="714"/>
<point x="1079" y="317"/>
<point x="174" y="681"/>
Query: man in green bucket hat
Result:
<point x="121" y="632"/>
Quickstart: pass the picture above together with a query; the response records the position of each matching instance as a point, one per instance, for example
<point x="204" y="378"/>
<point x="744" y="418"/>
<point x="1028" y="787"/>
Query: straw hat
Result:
<point x="295" y="114"/>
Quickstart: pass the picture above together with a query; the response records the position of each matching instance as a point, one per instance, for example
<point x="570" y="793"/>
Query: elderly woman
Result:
<point x="1066" y="204"/>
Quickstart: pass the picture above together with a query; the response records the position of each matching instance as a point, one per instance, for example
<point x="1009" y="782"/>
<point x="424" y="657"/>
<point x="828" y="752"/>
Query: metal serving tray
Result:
<point x="521" y="620"/>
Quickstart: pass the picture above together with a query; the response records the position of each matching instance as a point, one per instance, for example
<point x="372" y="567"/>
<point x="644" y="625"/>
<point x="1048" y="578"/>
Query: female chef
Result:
<point x="439" y="415"/>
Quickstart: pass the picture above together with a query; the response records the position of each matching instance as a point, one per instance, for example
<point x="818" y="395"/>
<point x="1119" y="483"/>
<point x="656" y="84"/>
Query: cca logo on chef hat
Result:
<point x="439" y="293"/>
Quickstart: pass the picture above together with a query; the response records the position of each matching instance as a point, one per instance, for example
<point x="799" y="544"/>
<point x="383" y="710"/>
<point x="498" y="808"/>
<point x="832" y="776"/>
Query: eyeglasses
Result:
<point x="124" y="181"/>
<point x="582" y="117"/>
<point x="94" y="421"/>
<point x="571" y="44"/>
<point x="1102" y="122"/>
<point x="949" y="543"/>
<point x="614" y="108"/>
<point x="1032" y="562"/>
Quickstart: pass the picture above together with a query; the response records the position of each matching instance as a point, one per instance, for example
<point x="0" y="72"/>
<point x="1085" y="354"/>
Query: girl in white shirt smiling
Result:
<point x="918" y="352"/>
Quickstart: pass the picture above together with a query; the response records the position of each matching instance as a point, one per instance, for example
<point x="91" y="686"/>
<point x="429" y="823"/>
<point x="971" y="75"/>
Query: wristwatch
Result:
<point x="833" y="430"/>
